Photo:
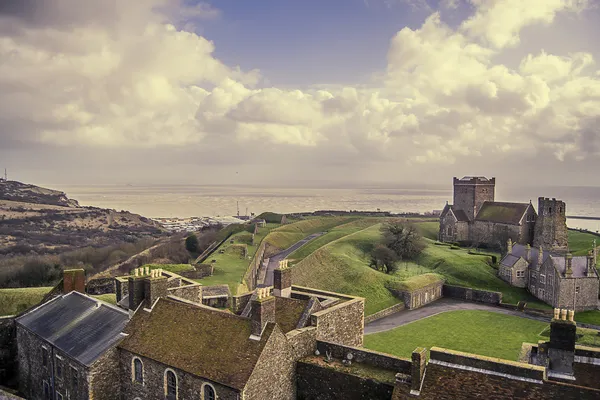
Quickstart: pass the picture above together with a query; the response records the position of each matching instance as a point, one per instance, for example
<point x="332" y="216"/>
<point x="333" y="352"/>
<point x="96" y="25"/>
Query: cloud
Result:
<point x="130" y="77"/>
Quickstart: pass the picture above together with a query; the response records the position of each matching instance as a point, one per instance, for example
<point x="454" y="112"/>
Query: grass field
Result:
<point x="14" y="301"/>
<point x="581" y="242"/>
<point x="109" y="298"/>
<point x="286" y="235"/>
<point x="343" y="266"/>
<point x="480" y="332"/>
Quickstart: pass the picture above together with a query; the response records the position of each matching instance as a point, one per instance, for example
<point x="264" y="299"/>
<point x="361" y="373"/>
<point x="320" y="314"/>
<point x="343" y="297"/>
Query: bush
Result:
<point x="191" y="243"/>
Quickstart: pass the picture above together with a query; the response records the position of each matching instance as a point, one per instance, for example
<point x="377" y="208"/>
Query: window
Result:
<point x="138" y="370"/>
<point x="576" y="289"/>
<point x="58" y="396"/>
<point x="44" y="356"/>
<point x="541" y="293"/>
<point x="74" y="379"/>
<point x="59" y="367"/>
<point x="170" y="385"/>
<point x="46" y="391"/>
<point x="549" y="210"/>
<point x="208" y="392"/>
<point x="449" y="231"/>
<point x="520" y="274"/>
<point x="542" y="278"/>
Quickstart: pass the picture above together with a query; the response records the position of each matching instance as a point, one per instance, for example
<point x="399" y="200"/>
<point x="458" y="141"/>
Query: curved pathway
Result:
<point x="274" y="260"/>
<point x="442" y="305"/>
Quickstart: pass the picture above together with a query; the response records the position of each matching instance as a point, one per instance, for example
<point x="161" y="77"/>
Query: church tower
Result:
<point x="471" y="192"/>
<point x="551" y="225"/>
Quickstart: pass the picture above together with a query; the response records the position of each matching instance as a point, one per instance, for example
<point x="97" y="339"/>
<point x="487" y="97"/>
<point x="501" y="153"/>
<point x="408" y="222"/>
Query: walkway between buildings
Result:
<point x="274" y="260"/>
<point x="442" y="305"/>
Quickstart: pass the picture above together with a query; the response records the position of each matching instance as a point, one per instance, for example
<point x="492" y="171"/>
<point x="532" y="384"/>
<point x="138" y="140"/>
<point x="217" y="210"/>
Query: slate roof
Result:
<point x="578" y="265"/>
<point x="506" y="213"/>
<point x="80" y="326"/>
<point x="460" y="215"/>
<point x="199" y="340"/>
<point x="519" y="251"/>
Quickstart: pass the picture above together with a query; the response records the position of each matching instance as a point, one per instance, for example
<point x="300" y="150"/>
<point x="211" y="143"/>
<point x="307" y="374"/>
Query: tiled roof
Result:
<point x="288" y="312"/>
<point x="509" y="260"/>
<point x="506" y="213"/>
<point x="460" y="215"/>
<point x="199" y="340"/>
<point x="80" y="326"/>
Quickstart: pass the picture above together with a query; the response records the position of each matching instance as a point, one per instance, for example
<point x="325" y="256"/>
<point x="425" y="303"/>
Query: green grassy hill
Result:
<point x="581" y="242"/>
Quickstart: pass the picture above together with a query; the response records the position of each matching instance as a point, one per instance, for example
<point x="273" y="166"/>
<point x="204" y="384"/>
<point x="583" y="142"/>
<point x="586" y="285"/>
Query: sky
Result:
<point x="300" y="91"/>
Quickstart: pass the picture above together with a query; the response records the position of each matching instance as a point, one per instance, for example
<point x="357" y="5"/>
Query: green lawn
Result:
<point x="343" y="266"/>
<point x="480" y="332"/>
<point x="109" y="297"/>
<point x="333" y="234"/>
<point x="14" y="301"/>
<point x="581" y="242"/>
<point x="230" y="267"/>
<point x="429" y="229"/>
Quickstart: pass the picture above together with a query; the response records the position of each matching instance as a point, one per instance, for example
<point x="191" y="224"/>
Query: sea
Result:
<point x="182" y="201"/>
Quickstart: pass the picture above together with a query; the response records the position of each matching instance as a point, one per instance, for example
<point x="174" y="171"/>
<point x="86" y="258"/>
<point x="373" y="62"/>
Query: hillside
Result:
<point x="25" y="193"/>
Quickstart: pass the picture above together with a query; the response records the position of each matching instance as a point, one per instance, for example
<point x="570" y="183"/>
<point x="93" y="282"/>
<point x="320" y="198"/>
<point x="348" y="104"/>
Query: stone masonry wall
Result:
<point x="153" y="387"/>
<point x="586" y="299"/>
<point x="8" y="352"/>
<point x="495" y="234"/>
<point x="100" y="286"/>
<point x="303" y="341"/>
<point x="189" y="292"/>
<point x="368" y="357"/>
<point x="469" y="294"/>
<point x="104" y="377"/>
<point x="274" y="376"/>
<point x="200" y="271"/>
<point x="420" y="297"/>
<point x="342" y="323"/>
<point x="317" y="383"/>
<point x="448" y="225"/>
<point x="384" y="313"/>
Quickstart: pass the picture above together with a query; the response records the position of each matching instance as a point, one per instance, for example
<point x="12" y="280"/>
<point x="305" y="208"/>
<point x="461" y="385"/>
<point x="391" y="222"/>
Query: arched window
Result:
<point x="170" y="385"/>
<point x="138" y="370"/>
<point x="208" y="392"/>
<point x="549" y="210"/>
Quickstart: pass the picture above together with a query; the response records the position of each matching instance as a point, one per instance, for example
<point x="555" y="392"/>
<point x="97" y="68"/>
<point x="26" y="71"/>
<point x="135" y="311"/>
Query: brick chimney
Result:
<point x="540" y="259"/>
<point x="417" y="372"/>
<point x="74" y="280"/>
<point x="561" y="347"/>
<point x="282" y="280"/>
<point x="569" y="265"/>
<point x="155" y="286"/>
<point x="263" y="311"/>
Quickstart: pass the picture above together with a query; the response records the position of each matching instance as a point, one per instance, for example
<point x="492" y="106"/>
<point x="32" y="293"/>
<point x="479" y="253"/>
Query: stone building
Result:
<point x="420" y="290"/>
<point x="476" y="218"/>
<point x="66" y="348"/>
<point x="563" y="281"/>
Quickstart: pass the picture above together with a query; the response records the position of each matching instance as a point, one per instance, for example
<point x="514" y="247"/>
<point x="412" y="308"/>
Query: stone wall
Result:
<point x="586" y="299"/>
<point x="252" y="274"/>
<point x="384" y="313"/>
<point x="239" y="302"/>
<point x="200" y="271"/>
<point x="495" y="234"/>
<point x="551" y="225"/>
<point x="317" y="383"/>
<point x="420" y="297"/>
<point x="470" y="294"/>
<point x="8" y="352"/>
<point x="121" y="287"/>
<point x="364" y="356"/>
<point x="104" y="377"/>
<point x="188" y="292"/>
<point x="153" y="387"/>
<point x="275" y="372"/>
<point x="342" y="323"/>
<point x="303" y="341"/>
<point x="100" y="286"/>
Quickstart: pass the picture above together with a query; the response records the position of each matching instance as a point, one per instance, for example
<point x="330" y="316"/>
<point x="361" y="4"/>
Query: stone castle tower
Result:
<point x="551" y="225"/>
<point x="471" y="192"/>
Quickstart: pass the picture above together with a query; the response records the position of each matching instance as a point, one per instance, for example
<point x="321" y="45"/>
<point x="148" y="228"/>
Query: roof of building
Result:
<point x="80" y="326"/>
<point x="506" y="213"/>
<point x="215" y="291"/>
<point x="519" y="250"/>
<point x="578" y="265"/>
<point x="460" y="215"/>
<point x="199" y="340"/>
<point x="288" y="312"/>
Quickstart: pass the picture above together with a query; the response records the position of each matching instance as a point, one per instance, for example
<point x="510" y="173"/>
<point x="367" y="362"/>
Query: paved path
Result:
<point x="442" y="305"/>
<point x="274" y="260"/>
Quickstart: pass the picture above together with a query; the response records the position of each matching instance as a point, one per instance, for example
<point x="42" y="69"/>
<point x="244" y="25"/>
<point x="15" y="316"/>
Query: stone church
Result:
<point x="476" y="218"/>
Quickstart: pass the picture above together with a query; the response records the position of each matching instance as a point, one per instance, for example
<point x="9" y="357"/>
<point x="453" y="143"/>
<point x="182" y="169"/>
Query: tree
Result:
<point x="404" y="239"/>
<point x="191" y="243"/>
<point x="382" y="257"/>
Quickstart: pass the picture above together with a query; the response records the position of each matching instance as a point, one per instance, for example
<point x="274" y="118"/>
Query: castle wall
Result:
<point x="586" y="299"/>
<point x="153" y="387"/>
<point x="342" y="323"/>
<point x="470" y="294"/>
<point x="274" y="376"/>
<point x="8" y="351"/>
<point x="469" y="195"/>
<point x="188" y="292"/>
<point x="100" y="286"/>
<point x="318" y="383"/>
<point x="495" y="234"/>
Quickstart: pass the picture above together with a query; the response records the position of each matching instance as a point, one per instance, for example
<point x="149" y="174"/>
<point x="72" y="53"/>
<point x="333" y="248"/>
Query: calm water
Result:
<point x="186" y="201"/>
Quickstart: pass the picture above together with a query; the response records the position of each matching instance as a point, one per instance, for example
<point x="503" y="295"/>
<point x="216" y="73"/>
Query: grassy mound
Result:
<point x="14" y="301"/>
<point x="416" y="282"/>
<point x="334" y="234"/>
<point x="429" y="229"/>
<point x="581" y="242"/>
<point x="286" y="235"/>
<point x="343" y="266"/>
<point x="480" y="332"/>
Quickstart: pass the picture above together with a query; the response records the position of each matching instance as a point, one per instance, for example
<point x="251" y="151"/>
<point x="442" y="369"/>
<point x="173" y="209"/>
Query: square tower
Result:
<point x="471" y="192"/>
<point x="551" y="225"/>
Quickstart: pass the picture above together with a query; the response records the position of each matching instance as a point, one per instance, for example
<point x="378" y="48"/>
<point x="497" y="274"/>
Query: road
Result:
<point x="442" y="305"/>
<point x="274" y="260"/>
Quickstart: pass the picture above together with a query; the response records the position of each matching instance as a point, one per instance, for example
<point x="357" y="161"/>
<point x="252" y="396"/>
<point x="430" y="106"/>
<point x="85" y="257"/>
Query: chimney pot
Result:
<point x="563" y="314"/>
<point x="556" y="313"/>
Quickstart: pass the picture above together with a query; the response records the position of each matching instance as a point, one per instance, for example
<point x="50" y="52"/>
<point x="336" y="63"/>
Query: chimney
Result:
<point x="595" y="251"/>
<point x="528" y="254"/>
<point x="591" y="265"/>
<point x="282" y="280"/>
<point x="136" y="290"/>
<point x="419" y="358"/>
<point x="74" y="280"/>
<point x="509" y="246"/>
<point x="155" y="286"/>
<point x="569" y="265"/>
<point x="263" y="311"/>
<point x="561" y="347"/>
<point x="540" y="259"/>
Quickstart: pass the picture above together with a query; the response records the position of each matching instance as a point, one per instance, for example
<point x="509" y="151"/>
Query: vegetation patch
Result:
<point x="429" y="229"/>
<point x="416" y="282"/>
<point x="14" y="301"/>
<point x="480" y="332"/>
<point x="110" y="298"/>
<point x="286" y="235"/>
<point x="581" y="242"/>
